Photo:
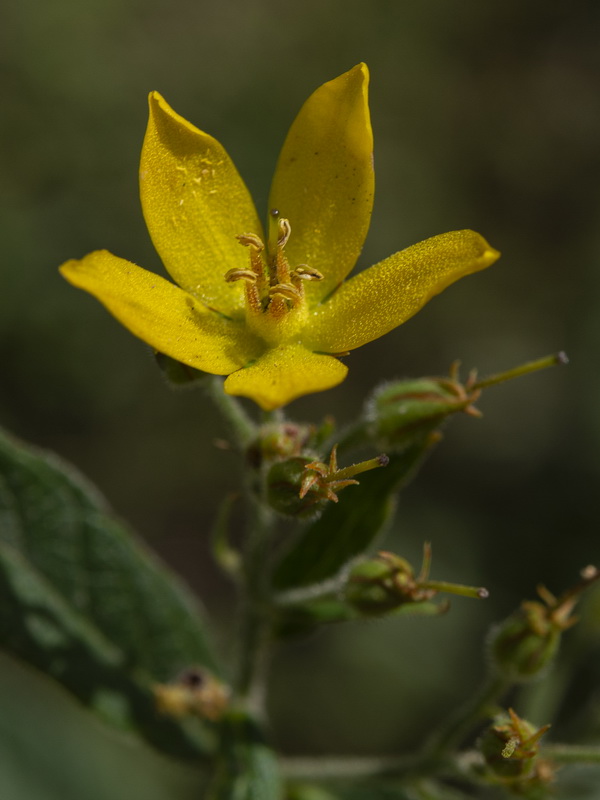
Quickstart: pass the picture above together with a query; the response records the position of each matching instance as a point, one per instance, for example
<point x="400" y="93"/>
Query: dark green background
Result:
<point x="486" y="115"/>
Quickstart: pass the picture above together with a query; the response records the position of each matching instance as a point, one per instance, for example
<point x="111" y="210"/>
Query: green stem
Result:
<point x="240" y="424"/>
<point x="255" y="616"/>
<point x="451" y="733"/>
<point x="571" y="753"/>
<point x="344" y="767"/>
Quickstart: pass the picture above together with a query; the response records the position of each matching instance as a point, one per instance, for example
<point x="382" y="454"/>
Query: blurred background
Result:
<point x="486" y="116"/>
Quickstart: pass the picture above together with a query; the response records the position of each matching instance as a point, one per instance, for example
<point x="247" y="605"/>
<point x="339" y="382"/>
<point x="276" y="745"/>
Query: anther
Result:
<point x="286" y="290"/>
<point x="236" y="274"/>
<point x="284" y="230"/>
<point x="250" y="278"/>
<point x="306" y="273"/>
<point x="256" y="247"/>
<point x="251" y="240"/>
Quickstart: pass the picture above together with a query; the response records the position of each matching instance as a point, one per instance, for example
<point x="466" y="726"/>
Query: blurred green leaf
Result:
<point x="247" y="768"/>
<point x="348" y="528"/>
<point x="84" y="601"/>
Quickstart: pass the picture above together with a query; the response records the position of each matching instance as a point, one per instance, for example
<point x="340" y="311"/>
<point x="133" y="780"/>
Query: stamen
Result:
<point x="282" y="267"/>
<point x="250" y="278"/>
<point x="236" y="274"/>
<point x="286" y="290"/>
<point x="284" y="230"/>
<point x="270" y="285"/>
<point x="256" y="246"/>
<point x="280" y="262"/>
<point x="305" y="273"/>
<point x="251" y="240"/>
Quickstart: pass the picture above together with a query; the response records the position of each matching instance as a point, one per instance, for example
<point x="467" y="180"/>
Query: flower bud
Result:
<point x="387" y="582"/>
<point x="510" y="748"/>
<point x="526" y="643"/>
<point x="284" y="483"/>
<point x="278" y="441"/>
<point x="404" y="412"/>
<point x="381" y="584"/>
<point x="300" y="487"/>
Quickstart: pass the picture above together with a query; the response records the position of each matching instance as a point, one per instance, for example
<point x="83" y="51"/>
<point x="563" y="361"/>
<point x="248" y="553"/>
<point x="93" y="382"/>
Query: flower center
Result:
<point x="275" y="298"/>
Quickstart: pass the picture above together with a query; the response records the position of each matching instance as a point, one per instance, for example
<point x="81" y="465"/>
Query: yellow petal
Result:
<point x="324" y="180"/>
<point x="164" y="316"/>
<point x="195" y="204"/>
<point x="387" y="294"/>
<point x="285" y="373"/>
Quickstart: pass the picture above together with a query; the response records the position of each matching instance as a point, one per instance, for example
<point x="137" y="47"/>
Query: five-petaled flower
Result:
<point x="272" y="313"/>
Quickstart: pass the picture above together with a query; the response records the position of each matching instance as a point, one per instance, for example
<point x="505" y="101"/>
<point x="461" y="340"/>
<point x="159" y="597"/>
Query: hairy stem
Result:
<point x="240" y="425"/>
<point x="571" y="753"/>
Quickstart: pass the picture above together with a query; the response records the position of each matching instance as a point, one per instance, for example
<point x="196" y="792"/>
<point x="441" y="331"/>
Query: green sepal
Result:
<point x="84" y="601"/>
<point x="403" y="412"/>
<point x="284" y="481"/>
<point x="347" y="529"/>
<point x="303" y="618"/>
<point x="247" y="768"/>
<point x="177" y="374"/>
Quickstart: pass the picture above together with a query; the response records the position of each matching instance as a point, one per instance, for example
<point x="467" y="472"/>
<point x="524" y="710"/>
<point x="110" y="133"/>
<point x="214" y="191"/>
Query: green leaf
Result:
<point x="348" y="528"/>
<point x="84" y="601"/>
<point x="247" y="769"/>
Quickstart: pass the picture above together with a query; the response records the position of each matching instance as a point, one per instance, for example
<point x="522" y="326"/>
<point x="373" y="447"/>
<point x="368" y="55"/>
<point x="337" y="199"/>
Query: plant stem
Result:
<point x="255" y="616"/>
<point x="240" y="424"/>
<point x="571" y="753"/>
<point x="456" y="727"/>
<point x="344" y="767"/>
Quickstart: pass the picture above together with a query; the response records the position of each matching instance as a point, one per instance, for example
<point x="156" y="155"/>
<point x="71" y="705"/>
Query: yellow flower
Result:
<point x="273" y="314"/>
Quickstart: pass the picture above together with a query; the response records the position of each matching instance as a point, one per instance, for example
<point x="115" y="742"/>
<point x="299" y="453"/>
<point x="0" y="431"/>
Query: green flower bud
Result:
<point x="510" y="748"/>
<point x="300" y="487"/>
<point x="278" y="441"/>
<point x="388" y="582"/>
<point x="526" y="643"/>
<point x="405" y="412"/>
<point x="381" y="584"/>
<point x="284" y="483"/>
